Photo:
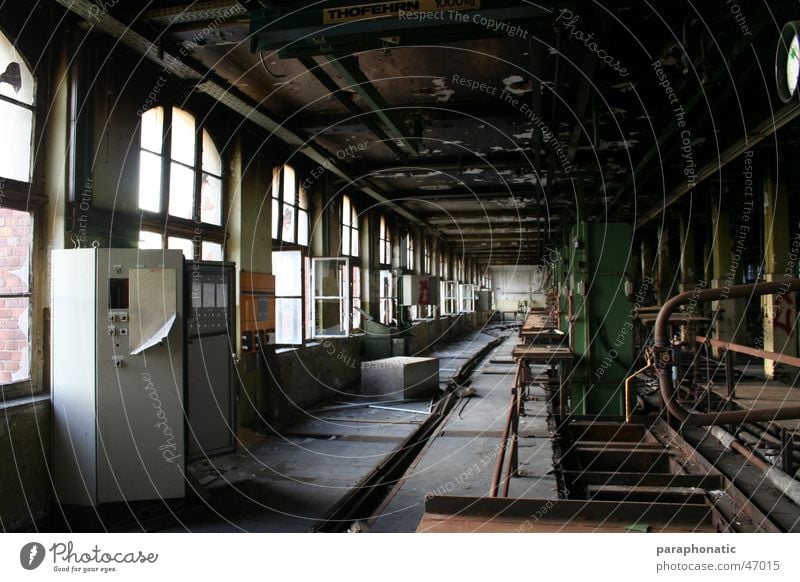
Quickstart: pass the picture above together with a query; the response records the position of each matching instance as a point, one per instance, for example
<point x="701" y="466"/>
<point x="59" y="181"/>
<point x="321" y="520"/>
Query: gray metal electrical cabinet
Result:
<point x="210" y="393"/>
<point x="117" y="375"/>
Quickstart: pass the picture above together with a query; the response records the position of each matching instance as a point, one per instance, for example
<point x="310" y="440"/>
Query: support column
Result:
<point x="665" y="272"/>
<point x="779" y="312"/>
<point x="689" y="280"/>
<point x="724" y="312"/>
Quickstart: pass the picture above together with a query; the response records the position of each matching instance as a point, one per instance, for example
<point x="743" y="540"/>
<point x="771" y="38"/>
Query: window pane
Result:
<point x="15" y="355"/>
<point x="16" y="238"/>
<point x="212" y="163"/>
<point x="183" y="136"/>
<point x="9" y="55"/>
<point x="211" y="251"/>
<point x="149" y="181"/>
<point x="345" y="240"/>
<point x="153" y="129"/>
<point x="181" y="191"/>
<point x="329" y="317"/>
<point x="303" y="195"/>
<point x="346" y="210"/>
<point x="183" y="244"/>
<point x="287" y="234"/>
<point x="275" y="217"/>
<point x="287" y="268"/>
<point x="289" y="320"/>
<point x="150" y="240"/>
<point x="15" y="147"/>
<point x="276" y="175"/>
<point x="302" y="227"/>
<point x="211" y="200"/>
<point x="354" y="243"/>
<point x="356" y="313"/>
<point x="329" y="277"/>
<point x="288" y="185"/>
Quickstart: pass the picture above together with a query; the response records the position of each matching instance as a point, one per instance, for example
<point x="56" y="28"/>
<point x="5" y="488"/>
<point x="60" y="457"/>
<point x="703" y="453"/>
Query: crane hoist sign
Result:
<point x="374" y="10"/>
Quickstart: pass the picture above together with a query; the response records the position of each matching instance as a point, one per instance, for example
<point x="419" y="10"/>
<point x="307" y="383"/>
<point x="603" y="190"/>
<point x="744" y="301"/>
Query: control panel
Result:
<point x="257" y="310"/>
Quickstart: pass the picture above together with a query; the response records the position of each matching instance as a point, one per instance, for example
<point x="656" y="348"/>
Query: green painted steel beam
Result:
<point x="306" y="32"/>
<point x="357" y="81"/>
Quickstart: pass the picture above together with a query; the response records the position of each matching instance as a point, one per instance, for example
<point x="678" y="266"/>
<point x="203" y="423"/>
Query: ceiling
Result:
<point x="587" y="127"/>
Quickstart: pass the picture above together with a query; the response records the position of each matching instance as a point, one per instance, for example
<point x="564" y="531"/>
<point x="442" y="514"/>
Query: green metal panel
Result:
<point x="304" y="32"/>
<point x="603" y="322"/>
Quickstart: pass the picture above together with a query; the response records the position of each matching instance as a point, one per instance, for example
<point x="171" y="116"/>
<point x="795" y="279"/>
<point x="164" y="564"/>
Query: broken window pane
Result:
<point x="20" y="80"/>
<point x="211" y="200"/>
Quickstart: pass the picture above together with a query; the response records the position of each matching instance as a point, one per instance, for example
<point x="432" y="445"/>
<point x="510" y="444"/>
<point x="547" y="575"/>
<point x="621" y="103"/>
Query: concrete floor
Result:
<point x="461" y="459"/>
<point x="288" y="482"/>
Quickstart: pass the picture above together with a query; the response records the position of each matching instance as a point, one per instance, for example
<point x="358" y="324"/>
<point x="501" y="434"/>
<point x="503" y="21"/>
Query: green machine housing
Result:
<point x="594" y="268"/>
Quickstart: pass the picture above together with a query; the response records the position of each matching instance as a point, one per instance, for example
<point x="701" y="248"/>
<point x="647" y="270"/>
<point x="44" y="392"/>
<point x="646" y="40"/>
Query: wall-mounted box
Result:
<point x="256" y="309"/>
<point x="419" y="290"/>
<point x="483" y="300"/>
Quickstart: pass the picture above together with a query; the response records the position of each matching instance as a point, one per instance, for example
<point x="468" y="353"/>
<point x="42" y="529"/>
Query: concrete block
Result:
<point x="400" y="377"/>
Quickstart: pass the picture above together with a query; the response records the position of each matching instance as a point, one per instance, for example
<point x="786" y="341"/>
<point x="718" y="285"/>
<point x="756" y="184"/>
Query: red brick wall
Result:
<point x="16" y="235"/>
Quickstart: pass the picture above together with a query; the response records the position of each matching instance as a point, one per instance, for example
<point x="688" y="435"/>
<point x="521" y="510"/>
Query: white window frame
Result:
<point x="386" y="302"/>
<point x="298" y="338"/>
<point x="344" y="297"/>
<point x="449" y="297"/>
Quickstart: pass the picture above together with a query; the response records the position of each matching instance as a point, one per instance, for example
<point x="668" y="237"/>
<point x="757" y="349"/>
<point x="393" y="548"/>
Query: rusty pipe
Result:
<point x="661" y="332"/>
<point x="501" y="453"/>
<point x="628" y="381"/>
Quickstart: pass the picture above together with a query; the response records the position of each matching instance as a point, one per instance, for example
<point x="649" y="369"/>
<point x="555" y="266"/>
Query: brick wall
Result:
<point x="16" y="235"/>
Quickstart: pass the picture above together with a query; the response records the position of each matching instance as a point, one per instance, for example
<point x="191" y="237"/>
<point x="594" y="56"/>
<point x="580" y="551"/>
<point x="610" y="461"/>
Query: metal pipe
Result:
<point x="785" y="483"/>
<point x="628" y="381"/>
<point x="501" y="454"/>
<point x="665" y="366"/>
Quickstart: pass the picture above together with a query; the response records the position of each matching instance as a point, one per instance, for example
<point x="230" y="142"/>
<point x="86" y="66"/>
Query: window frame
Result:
<point x="24" y="196"/>
<point x="301" y="298"/>
<point x="300" y="206"/>
<point x="384" y="242"/>
<point x="22" y="386"/>
<point x="350" y="229"/>
<point x="32" y="107"/>
<point x="386" y="312"/>
<point x="161" y="222"/>
<point x="345" y="296"/>
<point x="408" y="244"/>
<point x="449" y="297"/>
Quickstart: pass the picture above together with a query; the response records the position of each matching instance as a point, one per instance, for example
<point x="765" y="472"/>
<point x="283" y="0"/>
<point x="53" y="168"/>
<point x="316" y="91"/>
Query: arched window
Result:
<point x="17" y="213"/>
<point x="17" y="94"/>
<point x="349" y="228"/>
<point x="385" y="243"/>
<point x="180" y="182"/>
<point x="289" y="208"/>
